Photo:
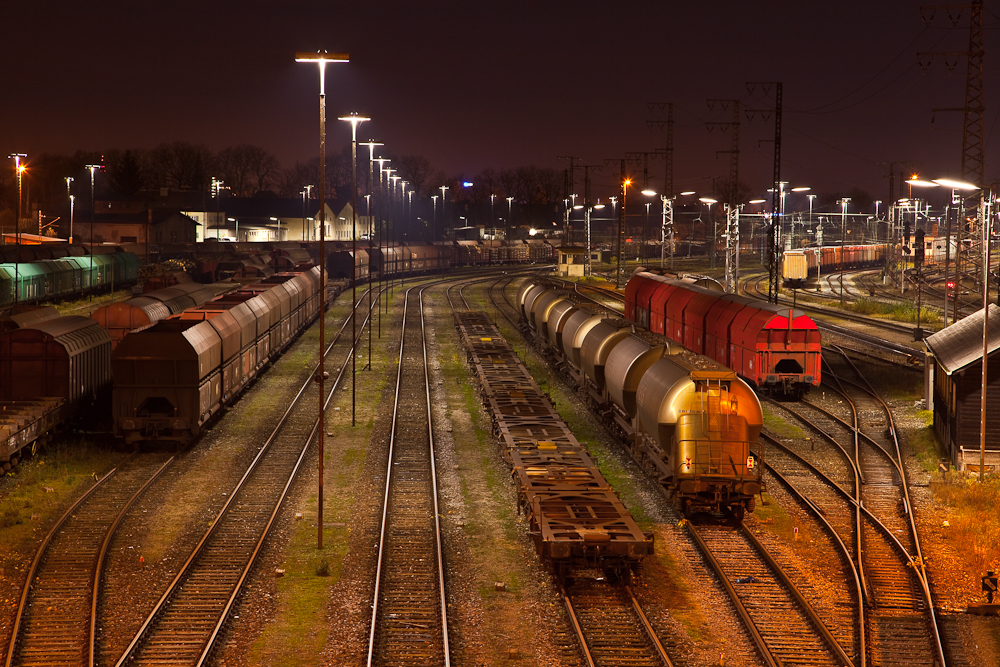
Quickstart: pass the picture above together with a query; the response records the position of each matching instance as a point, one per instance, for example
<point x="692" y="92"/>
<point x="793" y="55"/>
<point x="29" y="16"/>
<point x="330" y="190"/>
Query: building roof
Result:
<point x="961" y="344"/>
<point x="278" y="207"/>
<point x="158" y="216"/>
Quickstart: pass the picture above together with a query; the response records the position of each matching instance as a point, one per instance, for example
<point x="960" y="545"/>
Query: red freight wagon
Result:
<point x="777" y="349"/>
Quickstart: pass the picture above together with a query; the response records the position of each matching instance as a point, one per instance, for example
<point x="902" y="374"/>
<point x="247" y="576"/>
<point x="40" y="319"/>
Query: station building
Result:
<point x="954" y="389"/>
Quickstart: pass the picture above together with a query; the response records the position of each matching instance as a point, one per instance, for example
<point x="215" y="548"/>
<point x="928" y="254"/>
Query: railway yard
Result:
<point x="486" y="503"/>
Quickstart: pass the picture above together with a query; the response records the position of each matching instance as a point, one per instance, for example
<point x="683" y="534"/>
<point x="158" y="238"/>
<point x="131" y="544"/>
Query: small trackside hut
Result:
<point x="954" y="379"/>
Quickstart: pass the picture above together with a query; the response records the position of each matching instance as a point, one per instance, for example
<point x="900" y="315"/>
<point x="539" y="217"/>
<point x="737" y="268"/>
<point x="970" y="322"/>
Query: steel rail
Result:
<point x="575" y="622"/>
<point x="186" y="567"/>
<point x="237" y="589"/>
<point x="648" y="627"/>
<point x="765" y="651"/>
<point x="36" y="561"/>
<point x="828" y="637"/>
<point x="99" y="568"/>
<point x="380" y="567"/>
<point x="859" y="587"/>
<point x="917" y="564"/>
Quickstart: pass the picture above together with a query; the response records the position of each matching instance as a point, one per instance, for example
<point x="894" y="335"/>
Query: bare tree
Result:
<point x="416" y="169"/>
<point x="180" y="165"/>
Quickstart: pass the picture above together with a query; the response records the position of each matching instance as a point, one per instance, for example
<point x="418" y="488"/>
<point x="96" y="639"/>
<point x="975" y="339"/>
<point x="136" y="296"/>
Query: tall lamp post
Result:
<point x="843" y="233"/>
<point x="811" y="198"/>
<point x="306" y="232"/>
<point x="619" y="273"/>
<point x="588" y="208"/>
<point x="957" y="188"/>
<point x="321" y="58"/>
<point x="645" y="223"/>
<point x="401" y="231"/>
<point x="510" y="214"/>
<point x="217" y="195"/>
<point x="69" y="191"/>
<point x="799" y="189"/>
<point x="709" y="203"/>
<point x="443" y="188"/>
<point x="493" y="223"/>
<point x="434" y="209"/>
<point x="354" y="119"/>
<point x="378" y="241"/>
<point x="371" y="143"/>
<point x="18" y="171"/>
<point x="93" y="170"/>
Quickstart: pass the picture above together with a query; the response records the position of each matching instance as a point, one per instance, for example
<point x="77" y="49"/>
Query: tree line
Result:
<point x="247" y="170"/>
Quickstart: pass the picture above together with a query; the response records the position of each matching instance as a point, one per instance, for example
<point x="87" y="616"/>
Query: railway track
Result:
<point x="752" y="288"/>
<point x="57" y="615"/>
<point x="783" y="625"/>
<point x="409" y="622"/>
<point x="904" y="614"/>
<point x="611" y="626"/>
<point x="190" y="616"/>
<point x="846" y="469"/>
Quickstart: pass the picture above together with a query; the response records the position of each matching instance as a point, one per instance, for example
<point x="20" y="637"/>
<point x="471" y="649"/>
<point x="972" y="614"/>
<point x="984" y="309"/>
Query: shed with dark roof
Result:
<point x="955" y="362"/>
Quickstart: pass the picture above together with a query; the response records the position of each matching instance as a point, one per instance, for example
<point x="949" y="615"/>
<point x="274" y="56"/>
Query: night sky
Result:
<point x="502" y="84"/>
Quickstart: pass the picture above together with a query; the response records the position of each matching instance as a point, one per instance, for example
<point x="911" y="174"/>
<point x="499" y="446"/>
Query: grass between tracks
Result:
<point x="299" y="631"/>
<point x="900" y="311"/>
<point x="38" y="492"/>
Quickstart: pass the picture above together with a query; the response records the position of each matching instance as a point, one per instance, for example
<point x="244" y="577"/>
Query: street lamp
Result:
<point x="959" y="200"/>
<point x="321" y="58"/>
<point x="93" y="169"/>
<point x="667" y="209"/>
<point x="371" y="143"/>
<point x="709" y="203"/>
<point x="492" y="219"/>
<point x="306" y="192"/>
<point x="69" y="191"/>
<point x="401" y="231"/>
<point x="354" y="119"/>
<point x="18" y="171"/>
<point x="587" y="210"/>
<point x="510" y="215"/>
<point x="434" y="209"/>
<point x="843" y="232"/>
<point x="811" y="198"/>
<point x="277" y="220"/>
<point x="443" y="188"/>
<point x="237" y="239"/>
<point x="645" y="223"/>
<point x="619" y="273"/>
<point x="217" y="195"/>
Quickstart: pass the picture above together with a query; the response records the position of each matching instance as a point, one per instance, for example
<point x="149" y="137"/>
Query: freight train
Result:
<point x="775" y="348"/>
<point x="213" y="261"/>
<point x="575" y="517"/>
<point x="171" y="378"/>
<point x="51" y="368"/>
<point x="34" y="276"/>
<point x="196" y="348"/>
<point x="798" y="267"/>
<point x="687" y="420"/>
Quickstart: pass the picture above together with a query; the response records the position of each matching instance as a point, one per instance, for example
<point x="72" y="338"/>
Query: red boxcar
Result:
<point x="772" y="346"/>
